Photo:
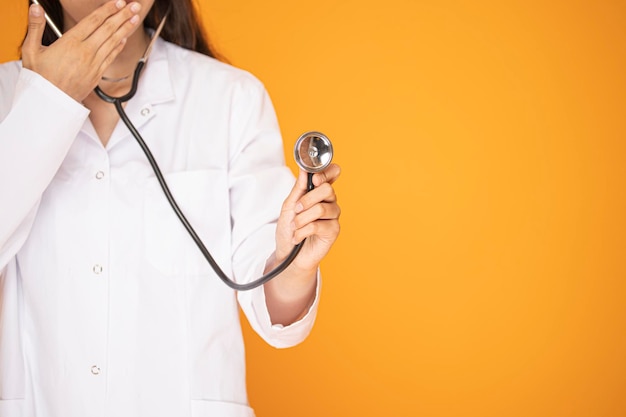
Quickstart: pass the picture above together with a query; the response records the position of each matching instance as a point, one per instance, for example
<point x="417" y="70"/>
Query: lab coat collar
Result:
<point x="155" y="84"/>
<point x="155" y="87"/>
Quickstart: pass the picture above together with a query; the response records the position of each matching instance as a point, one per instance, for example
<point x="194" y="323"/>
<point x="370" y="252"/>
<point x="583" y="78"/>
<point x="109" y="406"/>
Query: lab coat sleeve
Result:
<point x="38" y="124"/>
<point x="12" y="372"/>
<point x="259" y="183"/>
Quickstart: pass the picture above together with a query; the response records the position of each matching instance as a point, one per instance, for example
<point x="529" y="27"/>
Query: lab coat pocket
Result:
<point x="208" y="408"/>
<point x="202" y="196"/>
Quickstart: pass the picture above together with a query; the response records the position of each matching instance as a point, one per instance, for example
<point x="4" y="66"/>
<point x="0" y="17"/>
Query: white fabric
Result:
<point x="107" y="308"/>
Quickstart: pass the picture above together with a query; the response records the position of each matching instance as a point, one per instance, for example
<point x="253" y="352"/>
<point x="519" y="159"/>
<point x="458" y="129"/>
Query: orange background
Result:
<point x="480" y="270"/>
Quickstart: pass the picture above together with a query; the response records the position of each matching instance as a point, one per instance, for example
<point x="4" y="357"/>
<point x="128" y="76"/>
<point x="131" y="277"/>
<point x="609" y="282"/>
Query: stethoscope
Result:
<point x="313" y="152"/>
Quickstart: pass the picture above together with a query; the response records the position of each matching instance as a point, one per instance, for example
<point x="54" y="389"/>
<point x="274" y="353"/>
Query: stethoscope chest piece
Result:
<point x="313" y="152"/>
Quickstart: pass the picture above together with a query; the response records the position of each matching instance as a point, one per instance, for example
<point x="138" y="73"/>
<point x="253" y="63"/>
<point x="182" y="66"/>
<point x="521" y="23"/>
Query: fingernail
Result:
<point x="120" y="4"/>
<point x="299" y="207"/>
<point x="135" y="7"/>
<point x="35" y="10"/>
<point x="134" y="19"/>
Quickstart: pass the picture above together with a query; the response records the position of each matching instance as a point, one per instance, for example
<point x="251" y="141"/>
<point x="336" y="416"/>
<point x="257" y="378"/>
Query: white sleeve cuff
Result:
<point x="254" y="306"/>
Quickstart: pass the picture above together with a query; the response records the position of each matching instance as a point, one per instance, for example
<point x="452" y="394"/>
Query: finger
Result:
<point x="323" y="193"/>
<point x="329" y="175"/>
<point x="327" y="230"/>
<point x="298" y="190"/>
<point x="109" y="50"/>
<point x="115" y="28"/>
<point x="321" y="211"/>
<point x="36" y="27"/>
<point x="108" y="60"/>
<point x="93" y="21"/>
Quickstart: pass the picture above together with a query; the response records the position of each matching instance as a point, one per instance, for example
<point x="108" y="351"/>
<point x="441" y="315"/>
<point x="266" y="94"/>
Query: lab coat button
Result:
<point x="145" y="111"/>
<point x="95" y="370"/>
<point x="97" y="269"/>
<point x="99" y="175"/>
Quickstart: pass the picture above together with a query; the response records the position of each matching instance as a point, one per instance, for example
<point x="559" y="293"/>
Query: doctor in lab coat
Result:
<point x="107" y="308"/>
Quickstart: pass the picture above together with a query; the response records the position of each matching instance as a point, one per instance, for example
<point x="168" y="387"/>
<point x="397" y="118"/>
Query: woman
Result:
<point x="107" y="308"/>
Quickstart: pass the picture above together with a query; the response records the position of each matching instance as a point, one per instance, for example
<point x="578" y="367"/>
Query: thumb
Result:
<point x="36" y="27"/>
<point x="299" y="189"/>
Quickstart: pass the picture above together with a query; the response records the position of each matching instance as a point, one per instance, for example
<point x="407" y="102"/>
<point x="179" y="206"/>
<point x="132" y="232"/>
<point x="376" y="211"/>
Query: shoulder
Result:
<point x="203" y="71"/>
<point x="8" y="69"/>
<point x="9" y="75"/>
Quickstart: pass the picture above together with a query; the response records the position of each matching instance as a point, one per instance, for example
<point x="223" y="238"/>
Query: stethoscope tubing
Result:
<point x="118" y="103"/>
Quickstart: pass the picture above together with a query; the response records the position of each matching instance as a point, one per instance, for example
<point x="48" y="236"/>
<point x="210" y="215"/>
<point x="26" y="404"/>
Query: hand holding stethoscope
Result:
<point x="312" y="215"/>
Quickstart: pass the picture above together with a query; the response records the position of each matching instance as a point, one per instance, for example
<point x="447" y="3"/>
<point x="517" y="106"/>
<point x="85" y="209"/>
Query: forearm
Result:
<point x="290" y="295"/>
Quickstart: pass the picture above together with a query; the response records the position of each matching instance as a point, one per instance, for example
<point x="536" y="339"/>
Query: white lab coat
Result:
<point x="106" y="306"/>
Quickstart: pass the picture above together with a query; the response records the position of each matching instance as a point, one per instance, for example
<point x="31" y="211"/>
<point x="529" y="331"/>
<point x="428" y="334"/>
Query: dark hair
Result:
<point x="182" y="28"/>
